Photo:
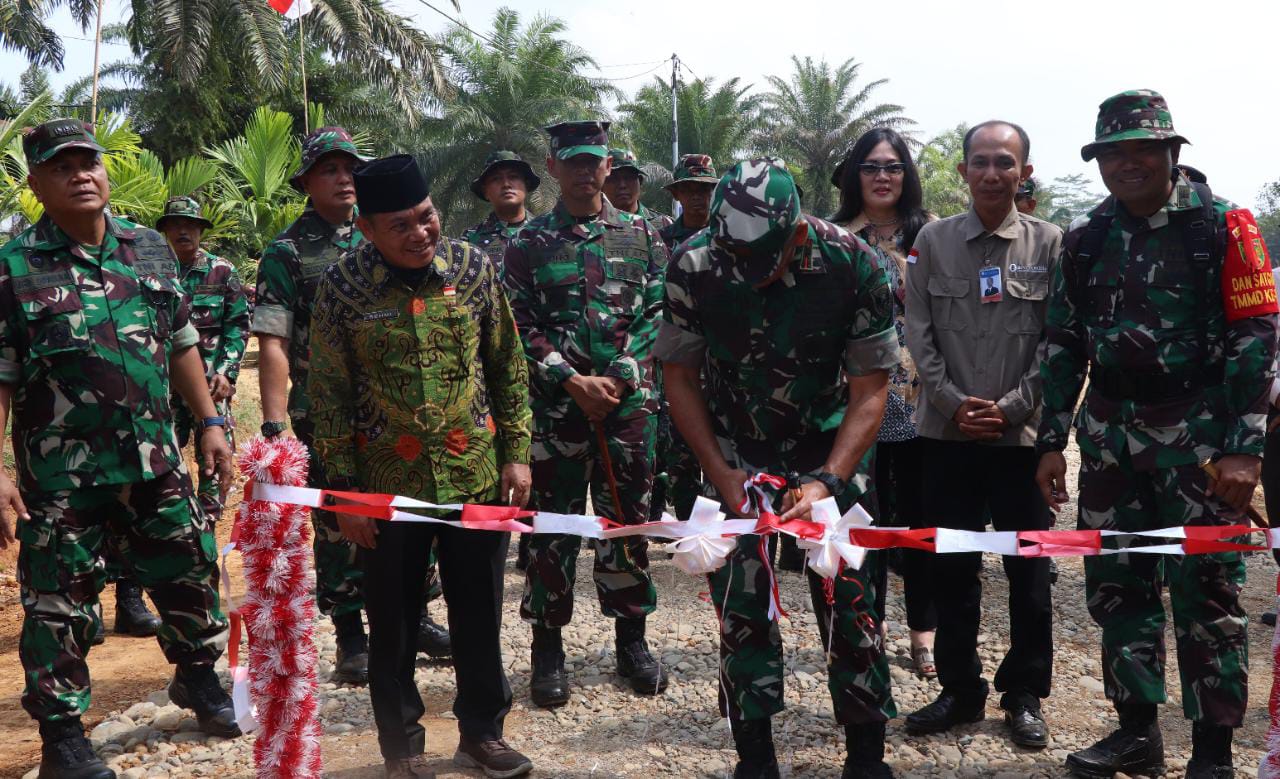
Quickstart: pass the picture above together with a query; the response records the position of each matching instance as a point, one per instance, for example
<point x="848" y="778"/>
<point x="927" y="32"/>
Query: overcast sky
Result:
<point x="1046" y="65"/>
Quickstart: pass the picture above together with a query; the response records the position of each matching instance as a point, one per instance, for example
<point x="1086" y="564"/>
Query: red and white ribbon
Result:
<point x="1270" y="765"/>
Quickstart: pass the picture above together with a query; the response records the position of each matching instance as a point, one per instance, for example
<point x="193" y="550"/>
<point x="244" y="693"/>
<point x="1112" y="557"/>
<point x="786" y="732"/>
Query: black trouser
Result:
<point x="964" y="481"/>
<point x="471" y="569"/>
<point x="900" y="488"/>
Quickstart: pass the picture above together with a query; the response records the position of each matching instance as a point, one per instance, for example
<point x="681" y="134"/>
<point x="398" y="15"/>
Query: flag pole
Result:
<point x="302" y="59"/>
<point x="97" y="47"/>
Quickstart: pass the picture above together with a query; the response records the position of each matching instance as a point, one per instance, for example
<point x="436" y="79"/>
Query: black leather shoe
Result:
<point x="1027" y="728"/>
<point x="197" y="688"/>
<point x="132" y="616"/>
<point x="1268" y="618"/>
<point x="751" y="770"/>
<point x="1210" y="752"/>
<point x="67" y="754"/>
<point x="548" y="684"/>
<point x="647" y="675"/>
<point x="1130" y="751"/>
<point x="433" y="638"/>
<point x="1201" y="769"/>
<point x="946" y="712"/>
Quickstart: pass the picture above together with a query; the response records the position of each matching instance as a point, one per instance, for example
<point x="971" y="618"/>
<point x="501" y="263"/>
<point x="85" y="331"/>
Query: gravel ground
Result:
<point x="606" y="731"/>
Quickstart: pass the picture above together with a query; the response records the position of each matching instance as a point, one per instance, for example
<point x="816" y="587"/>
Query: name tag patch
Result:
<point x="41" y="281"/>
<point x="374" y="316"/>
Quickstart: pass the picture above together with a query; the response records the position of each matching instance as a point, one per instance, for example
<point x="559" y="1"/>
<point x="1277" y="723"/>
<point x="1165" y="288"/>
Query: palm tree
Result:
<point x="506" y="90"/>
<point x="813" y="118"/>
<point x="23" y="28"/>
<point x="945" y="191"/>
<point x="713" y="120"/>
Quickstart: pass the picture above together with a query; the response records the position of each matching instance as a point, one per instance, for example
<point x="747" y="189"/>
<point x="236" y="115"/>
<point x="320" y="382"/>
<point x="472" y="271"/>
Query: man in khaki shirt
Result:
<point x="977" y="291"/>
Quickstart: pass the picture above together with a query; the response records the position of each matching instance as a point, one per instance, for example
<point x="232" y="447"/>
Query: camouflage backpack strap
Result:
<point x="1200" y="241"/>
<point x="1088" y="249"/>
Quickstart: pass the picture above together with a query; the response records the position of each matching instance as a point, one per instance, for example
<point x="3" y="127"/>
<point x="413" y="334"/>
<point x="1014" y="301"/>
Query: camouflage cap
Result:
<point x="753" y="211"/>
<point x="585" y="137"/>
<point x="321" y="142"/>
<point x="696" y="168"/>
<point x="42" y="142"/>
<point x="499" y="158"/>
<point x="184" y="207"/>
<point x="625" y="159"/>
<point x="1026" y="189"/>
<point x="1134" y="115"/>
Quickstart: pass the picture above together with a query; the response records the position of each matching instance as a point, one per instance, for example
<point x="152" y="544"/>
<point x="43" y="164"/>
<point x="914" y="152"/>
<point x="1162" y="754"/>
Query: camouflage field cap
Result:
<point x="1133" y="115"/>
<point x="184" y="207"/>
<point x="625" y="159"/>
<point x="321" y="142"/>
<point x="499" y="158"/>
<point x="42" y="142"/>
<point x="1026" y="189"/>
<point x="753" y="212"/>
<point x="697" y="168"/>
<point x="572" y="138"/>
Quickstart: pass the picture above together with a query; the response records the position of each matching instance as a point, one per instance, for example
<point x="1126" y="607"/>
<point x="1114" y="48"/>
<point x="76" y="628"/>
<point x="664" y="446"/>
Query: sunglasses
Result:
<point x="893" y="169"/>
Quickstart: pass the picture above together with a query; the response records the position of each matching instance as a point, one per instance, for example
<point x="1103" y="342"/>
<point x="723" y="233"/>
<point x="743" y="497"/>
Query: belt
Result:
<point x="1115" y="384"/>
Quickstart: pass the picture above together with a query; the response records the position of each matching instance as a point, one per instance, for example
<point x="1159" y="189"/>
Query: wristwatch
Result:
<point x="208" y="422"/>
<point x="272" y="429"/>
<point x="834" y="484"/>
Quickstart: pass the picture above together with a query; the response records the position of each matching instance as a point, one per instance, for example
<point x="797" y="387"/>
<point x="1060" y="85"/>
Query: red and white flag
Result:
<point x="292" y="9"/>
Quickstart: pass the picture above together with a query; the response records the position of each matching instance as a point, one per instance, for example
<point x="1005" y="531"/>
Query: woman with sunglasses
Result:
<point x="881" y="202"/>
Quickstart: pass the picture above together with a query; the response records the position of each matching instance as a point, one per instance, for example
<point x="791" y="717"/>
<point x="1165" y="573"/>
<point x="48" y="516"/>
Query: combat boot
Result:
<point x="865" y="758"/>
<point x="1210" y="752"/>
<point x="753" y="740"/>
<point x="67" y="754"/>
<point x="132" y="616"/>
<point x="196" y="687"/>
<point x="548" y="684"/>
<point x="351" y="665"/>
<point x="634" y="661"/>
<point x="1137" y="747"/>
<point x="433" y="638"/>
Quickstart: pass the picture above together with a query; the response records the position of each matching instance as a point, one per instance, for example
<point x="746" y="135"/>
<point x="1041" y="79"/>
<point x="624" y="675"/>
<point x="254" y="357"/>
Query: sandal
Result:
<point x="922" y="659"/>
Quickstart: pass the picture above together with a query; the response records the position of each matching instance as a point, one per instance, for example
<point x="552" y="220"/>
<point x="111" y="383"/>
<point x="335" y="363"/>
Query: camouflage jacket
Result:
<point x="587" y="296"/>
<point x="492" y="236"/>
<point x="419" y="392"/>
<point x="774" y="359"/>
<point x="656" y="219"/>
<point x="288" y="274"/>
<point x="219" y="312"/>
<point x="1141" y="318"/>
<point x="676" y="233"/>
<point x="85" y="340"/>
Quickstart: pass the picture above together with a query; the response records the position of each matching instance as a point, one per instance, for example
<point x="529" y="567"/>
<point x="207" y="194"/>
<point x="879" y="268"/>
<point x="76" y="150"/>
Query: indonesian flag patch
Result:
<point x="1248" y="286"/>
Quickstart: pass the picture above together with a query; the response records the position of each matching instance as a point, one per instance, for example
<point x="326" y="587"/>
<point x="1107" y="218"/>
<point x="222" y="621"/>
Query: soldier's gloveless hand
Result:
<point x="217" y="457"/>
<point x="10" y="497"/>
<point x="516" y="484"/>
<point x="361" y="531"/>
<point x="728" y="484"/>
<point x="221" y="388"/>
<point x="810" y="493"/>
<point x="1051" y="478"/>
<point x="595" y="395"/>
<point x="1238" y="476"/>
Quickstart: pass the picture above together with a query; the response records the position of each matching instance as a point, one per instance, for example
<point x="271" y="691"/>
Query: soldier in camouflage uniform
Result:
<point x="624" y="185"/>
<point x="585" y="283"/>
<point x="786" y="320"/>
<point x="94" y="332"/>
<point x="505" y="183"/>
<point x="1178" y="373"/>
<point x="678" y="477"/>
<point x="420" y="388"/>
<point x="220" y="314"/>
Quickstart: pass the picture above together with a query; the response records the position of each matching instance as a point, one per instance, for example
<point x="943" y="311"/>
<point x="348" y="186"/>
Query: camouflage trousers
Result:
<point x="751" y="667"/>
<point x="207" y="489"/>
<point x="565" y="462"/>
<point x="678" y="477"/>
<point x="1124" y="593"/>
<point x="159" y="530"/>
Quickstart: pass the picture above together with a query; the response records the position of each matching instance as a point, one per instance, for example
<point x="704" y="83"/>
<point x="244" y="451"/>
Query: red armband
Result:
<point x="1248" y="287"/>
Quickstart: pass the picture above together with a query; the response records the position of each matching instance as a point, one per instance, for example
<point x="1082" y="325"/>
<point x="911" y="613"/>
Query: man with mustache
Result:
<point x="624" y="186"/>
<point x="1165" y="295"/>
<point x="420" y="388"/>
<point x="585" y="283"/>
<point x="94" y="334"/>
<point x="977" y="290"/>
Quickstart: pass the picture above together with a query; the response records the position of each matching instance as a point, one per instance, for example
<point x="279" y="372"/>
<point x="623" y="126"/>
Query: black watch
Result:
<point x="834" y="484"/>
<point x="272" y="429"/>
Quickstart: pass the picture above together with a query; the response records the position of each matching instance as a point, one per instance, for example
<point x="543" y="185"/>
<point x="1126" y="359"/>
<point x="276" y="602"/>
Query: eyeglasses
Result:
<point x="893" y="169"/>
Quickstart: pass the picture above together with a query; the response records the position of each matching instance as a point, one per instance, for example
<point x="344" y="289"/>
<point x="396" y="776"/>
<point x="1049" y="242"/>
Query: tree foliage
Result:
<point x="813" y="117"/>
<point x="945" y="191"/>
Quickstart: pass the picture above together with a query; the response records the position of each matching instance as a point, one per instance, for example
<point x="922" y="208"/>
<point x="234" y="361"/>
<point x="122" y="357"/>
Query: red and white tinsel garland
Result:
<point x="1270" y="767"/>
<point x="278" y="612"/>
